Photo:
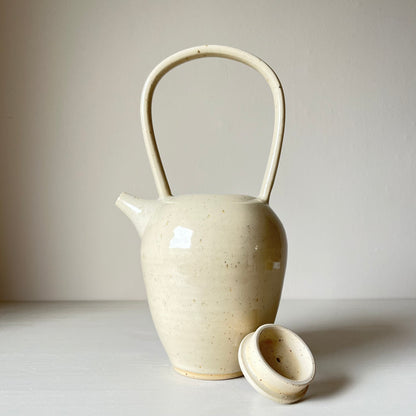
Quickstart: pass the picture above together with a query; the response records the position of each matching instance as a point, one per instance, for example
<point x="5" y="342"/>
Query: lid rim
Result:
<point x="287" y="380"/>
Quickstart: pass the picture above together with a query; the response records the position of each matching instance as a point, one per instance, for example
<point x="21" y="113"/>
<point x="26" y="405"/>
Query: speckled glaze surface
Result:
<point x="213" y="265"/>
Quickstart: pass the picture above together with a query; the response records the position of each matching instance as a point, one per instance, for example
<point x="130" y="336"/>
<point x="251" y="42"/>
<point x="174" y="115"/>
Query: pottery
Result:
<point x="277" y="363"/>
<point x="213" y="265"/>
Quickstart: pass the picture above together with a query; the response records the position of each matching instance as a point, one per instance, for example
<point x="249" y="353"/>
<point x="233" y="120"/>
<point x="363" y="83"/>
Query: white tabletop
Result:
<point x="104" y="358"/>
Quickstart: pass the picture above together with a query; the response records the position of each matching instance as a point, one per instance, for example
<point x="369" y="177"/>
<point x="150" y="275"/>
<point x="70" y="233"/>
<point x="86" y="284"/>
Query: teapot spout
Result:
<point x="138" y="210"/>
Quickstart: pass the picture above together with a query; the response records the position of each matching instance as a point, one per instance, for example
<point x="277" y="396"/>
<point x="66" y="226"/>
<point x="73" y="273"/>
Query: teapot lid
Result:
<point x="277" y="363"/>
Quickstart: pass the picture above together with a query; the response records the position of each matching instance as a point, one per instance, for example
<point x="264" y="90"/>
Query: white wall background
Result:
<point x="71" y="73"/>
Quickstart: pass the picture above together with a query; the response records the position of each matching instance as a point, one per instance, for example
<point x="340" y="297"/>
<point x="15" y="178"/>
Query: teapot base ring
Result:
<point x="208" y="376"/>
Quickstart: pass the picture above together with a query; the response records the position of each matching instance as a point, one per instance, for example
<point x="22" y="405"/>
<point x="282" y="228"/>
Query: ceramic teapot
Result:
<point x="213" y="265"/>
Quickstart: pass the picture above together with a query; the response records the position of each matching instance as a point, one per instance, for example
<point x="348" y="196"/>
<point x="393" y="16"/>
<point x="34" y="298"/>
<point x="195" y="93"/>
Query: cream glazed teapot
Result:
<point x="213" y="265"/>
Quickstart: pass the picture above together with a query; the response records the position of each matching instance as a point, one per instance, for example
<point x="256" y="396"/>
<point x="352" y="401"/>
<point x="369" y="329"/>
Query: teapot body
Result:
<point x="213" y="267"/>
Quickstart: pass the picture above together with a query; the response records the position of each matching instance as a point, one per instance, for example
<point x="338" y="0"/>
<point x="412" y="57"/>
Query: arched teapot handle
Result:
<point x="221" y="52"/>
